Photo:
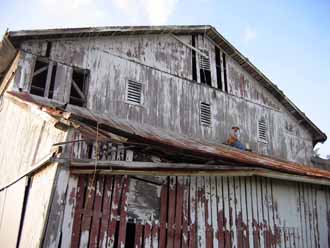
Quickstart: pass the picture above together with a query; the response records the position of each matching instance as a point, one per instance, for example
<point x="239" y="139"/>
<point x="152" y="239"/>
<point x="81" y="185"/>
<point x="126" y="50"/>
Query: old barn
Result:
<point x="117" y="137"/>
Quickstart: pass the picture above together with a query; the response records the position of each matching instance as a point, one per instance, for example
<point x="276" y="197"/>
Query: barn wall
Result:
<point x="195" y="211"/>
<point x="26" y="139"/>
<point x="163" y="65"/>
<point x="11" y="206"/>
<point x="37" y="207"/>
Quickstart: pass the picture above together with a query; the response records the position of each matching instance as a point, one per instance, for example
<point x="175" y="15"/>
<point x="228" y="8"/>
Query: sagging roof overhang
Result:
<point x="164" y="138"/>
<point x="318" y="136"/>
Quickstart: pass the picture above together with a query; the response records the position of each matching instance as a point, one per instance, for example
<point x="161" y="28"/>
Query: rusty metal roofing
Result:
<point x="162" y="138"/>
<point x="210" y="31"/>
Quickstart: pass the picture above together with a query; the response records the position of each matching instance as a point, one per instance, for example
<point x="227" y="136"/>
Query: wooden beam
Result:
<point x="238" y="173"/>
<point x="115" y="164"/>
<point x="76" y="87"/>
<point x="190" y="46"/>
<point x="49" y="78"/>
<point x="42" y="69"/>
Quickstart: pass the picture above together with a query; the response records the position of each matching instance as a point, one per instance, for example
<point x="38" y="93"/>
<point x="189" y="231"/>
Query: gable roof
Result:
<point x="166" y="140"/>
<point x="318" y="136"/>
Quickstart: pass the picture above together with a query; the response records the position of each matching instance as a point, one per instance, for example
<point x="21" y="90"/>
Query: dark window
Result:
<point x="205" y="68"/>
<point x="134" y="92"/>
<point x="39" y="78"/>
<point x="194" y="71"/>
<point x="79" y="87"/>
<point x="225" y="72"/>
<point x="218" y="67"/>
<point x="205" y="114"/>
<point x="43" y="78"/>
<point x="52" y="82"/>
<point x="48" y="49"/>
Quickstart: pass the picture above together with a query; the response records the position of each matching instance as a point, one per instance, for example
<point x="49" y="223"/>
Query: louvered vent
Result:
<point x="205" y="114"/>
<point x="204" y="62"/>
<point x="134" y="92"/>
<point x="262" y="130"/>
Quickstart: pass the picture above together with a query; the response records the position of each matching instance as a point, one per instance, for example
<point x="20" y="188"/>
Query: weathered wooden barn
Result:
<point x="114" y="137"/>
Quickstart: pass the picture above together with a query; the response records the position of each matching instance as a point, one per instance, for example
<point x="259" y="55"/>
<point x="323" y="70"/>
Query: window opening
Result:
<point x="52" y="82"/>
<point x="194" y="64"/>
<point x="134" y="92"/>
<point x="205" y="68"/>
<point x="205" y="114"/>
<point x="78" y="87"/>
<point x="225" y="72"/>
<point x="38" y="84"/>
<point x="48" y="49"/>
<point x="218" y="67"/>
<point x="262" y="130"/>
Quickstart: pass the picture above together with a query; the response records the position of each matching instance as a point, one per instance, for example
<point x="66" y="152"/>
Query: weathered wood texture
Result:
<point x="163" y="65"/>
<point x="11" y="206"/>
<point x="221" y="212"/>
<point x="26" y="138"/>
<point x="37" y="207"/>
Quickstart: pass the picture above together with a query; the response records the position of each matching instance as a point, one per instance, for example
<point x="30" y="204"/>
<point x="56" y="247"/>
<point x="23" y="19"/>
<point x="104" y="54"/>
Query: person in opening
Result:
<point x="233" y="139"/>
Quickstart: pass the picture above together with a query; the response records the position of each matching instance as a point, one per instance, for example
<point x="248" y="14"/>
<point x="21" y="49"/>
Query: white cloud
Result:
<point x="250" y="34"/>
<point x="157" y="12"/>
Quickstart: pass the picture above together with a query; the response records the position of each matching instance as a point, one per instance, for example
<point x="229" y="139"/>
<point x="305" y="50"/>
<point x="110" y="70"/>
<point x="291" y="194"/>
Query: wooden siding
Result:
<point x="11" y="206"/>
<point x="26" y="139"/>
<point x="37" y="206"/>
<point x="221" y="212"/>
<point x="163" y="65"/>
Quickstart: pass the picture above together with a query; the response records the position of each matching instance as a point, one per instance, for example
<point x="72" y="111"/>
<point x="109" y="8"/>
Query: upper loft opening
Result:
<point x="50" y="78"/>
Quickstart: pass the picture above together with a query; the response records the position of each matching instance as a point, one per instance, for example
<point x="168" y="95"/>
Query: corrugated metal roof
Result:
<point x="215" y="36"/>
<point x="163" y="138"/>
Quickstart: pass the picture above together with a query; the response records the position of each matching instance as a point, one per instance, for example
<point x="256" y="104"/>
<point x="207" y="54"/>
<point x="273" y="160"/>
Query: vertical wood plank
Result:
<point x="88" y="211"/>
<point x="114" y="212"/>
<point x="82" y="182"/>
<point x="208" y="213"/>
<point x="255" y="209"/>
<point x="163" y="215"/>
<point x="171" y="213"/>
<point x="185" y="212"/>
<point x="249" y="208"/>
<point x="123" y="213"/>
<point x="108" y="184"/>
<point x="71" y="202"/>
<point x="238" y="213"/>
<point x="201" y="237"/>
<point x="154" y="235"/>
<point x="244" y="209"/>
<point x="232" y="208"/>
<point x="178" y="211"/>
<point x="220" y="213"/>
<point x="147" y="235"/>
<point x="138" y="236"/>
<point x="94" y="236"/>
<point x="226" y="202"/>
<point x="192" y="215"/>
<point x="301" y="214"/>
<point x="214" y="211"/>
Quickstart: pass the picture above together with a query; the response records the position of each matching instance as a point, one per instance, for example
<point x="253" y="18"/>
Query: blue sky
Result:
<point x="288" y="40"/>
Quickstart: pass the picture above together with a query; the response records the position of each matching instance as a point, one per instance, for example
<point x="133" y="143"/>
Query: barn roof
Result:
<point x="167" y="140"/>
<point x="318" y="136"/>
